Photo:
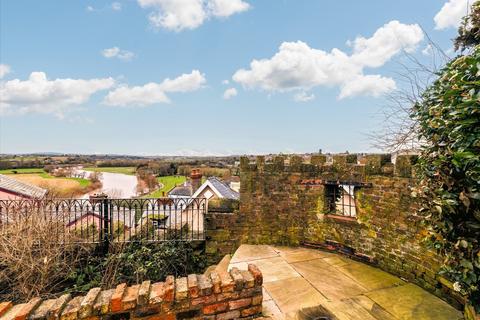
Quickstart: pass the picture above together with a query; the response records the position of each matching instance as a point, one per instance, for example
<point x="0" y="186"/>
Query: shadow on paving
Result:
<point x="301" y="283"/>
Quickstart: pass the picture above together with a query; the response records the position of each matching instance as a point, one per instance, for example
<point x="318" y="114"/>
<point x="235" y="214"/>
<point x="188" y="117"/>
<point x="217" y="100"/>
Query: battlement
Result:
<point x="339" y="166"/>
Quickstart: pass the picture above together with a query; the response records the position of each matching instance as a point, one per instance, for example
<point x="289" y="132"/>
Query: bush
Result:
<point x="135" y="262"/>
<point x="449" y="169"/>
<point x="33" y="259"/>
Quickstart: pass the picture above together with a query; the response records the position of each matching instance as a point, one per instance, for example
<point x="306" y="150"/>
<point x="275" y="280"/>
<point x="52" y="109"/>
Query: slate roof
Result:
<point x="224" y="189"/>
<point x="21" y="188"/>
<point x="185" y="191"/>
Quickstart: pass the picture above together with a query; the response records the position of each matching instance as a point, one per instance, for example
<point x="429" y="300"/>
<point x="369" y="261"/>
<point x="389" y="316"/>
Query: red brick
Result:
<point x="157" y="293"/>
<point x="257" y="300"/>
<point x="129" y="300"/>
<point x="70" y="312"/>
<point x="143" y="293"/>
<point x="215" y="308"/>
<point x="228" y="315"/>
<point x="237" y="278"/>
<point x="204" y="285"/>
<point x="4" y="306"/>
<point x="227" y="296"/>
<point x="170" y="316"/>
<point x="23" y="313"/>
<point x="251" y="311"/>
<point x="86" y="307"/>
<point x="169" y="289"/>
<point x="116" y="302"/>
<point x="203" y="300"/>
<point x="238" y="304"/>
<point x="248" y="278"/>
<point x="181" y="289"/>
<point x="58" y="306"/>
<point x="216" y="282"/>
<point x="256" y="273"/>
<point x="226" y="282"/>
<point x="193" y="289"/>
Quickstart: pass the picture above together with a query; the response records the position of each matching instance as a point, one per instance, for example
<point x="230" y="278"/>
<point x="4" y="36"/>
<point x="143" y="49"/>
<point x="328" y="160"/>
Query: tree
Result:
<point x="469" y="30"/>
<point x="449" y="168"/>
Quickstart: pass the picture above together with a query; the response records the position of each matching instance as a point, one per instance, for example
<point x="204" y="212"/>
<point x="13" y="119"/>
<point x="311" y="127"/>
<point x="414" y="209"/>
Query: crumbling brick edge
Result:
<point x="236" y="294"/>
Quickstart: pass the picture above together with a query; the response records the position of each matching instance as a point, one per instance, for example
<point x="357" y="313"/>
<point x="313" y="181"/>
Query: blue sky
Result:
<point x="149" y="77"/>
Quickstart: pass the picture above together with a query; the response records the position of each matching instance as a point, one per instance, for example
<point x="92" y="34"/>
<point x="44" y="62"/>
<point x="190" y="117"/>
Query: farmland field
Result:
<point x="168" y="183"/>
<point x="123" y="170"/>
<point x="61" y="187"/>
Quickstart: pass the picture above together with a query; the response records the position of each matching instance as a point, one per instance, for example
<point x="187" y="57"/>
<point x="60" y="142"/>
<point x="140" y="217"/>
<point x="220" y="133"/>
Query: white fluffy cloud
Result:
<point x="153" y="92"/>
<point x="302" y="96"/>
<point x="451" y="14"/>
<point x="116" y="52"/>
<point x="116" y="6"/>
<point x="4" y="70"/>
<point x="296" y="66"/>
<point x="41" y="95"/>
<point x="178" y="15"/>
<point x="225" y="8"/>
<point x="230" y="93"/>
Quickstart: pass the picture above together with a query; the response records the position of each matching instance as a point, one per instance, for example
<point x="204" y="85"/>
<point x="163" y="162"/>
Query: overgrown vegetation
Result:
<point x="449" y="164"/>
<point x="38" y="257"/>
<point x="33" y="259"/>
<point x="135" y="262"/>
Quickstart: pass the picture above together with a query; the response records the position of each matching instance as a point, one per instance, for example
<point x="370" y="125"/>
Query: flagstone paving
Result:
<point x="298" y="281"/>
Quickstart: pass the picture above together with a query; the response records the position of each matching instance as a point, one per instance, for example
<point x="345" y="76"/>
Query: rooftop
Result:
<point x="21" y="188"/>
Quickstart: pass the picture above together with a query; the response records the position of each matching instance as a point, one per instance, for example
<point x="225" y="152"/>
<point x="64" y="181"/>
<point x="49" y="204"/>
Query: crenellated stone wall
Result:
<point x="282" y="203"/>
<point x="219" y="295"/>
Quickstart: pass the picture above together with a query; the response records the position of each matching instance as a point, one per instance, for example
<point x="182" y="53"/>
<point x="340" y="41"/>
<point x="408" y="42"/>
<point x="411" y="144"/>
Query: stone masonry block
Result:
<point x="86" y="307"/>
<point x="27" y="309"/>
<point x="256" y="273"/>
<point x="181" y="289"/>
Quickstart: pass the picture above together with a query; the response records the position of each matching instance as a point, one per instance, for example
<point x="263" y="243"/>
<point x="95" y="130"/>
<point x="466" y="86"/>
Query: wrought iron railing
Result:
<point x="104" y="220"/>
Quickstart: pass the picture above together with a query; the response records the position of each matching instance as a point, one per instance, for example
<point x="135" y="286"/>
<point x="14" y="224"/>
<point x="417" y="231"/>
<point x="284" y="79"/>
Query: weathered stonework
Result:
<point x="238" y="296"/>
<point x="282" y="203"/>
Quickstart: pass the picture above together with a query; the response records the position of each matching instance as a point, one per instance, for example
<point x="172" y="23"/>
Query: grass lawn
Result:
<point x="168" y="182"/>
<point x="124" y="170"/>
<point x="23" y="171"/>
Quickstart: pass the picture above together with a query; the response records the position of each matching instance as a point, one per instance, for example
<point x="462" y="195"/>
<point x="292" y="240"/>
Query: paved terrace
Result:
<point x="304" y="279"/>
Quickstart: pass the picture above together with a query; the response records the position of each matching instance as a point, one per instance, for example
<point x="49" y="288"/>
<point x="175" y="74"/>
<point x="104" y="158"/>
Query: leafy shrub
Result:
<point x="449" y="168"/>
<point x="135" y="262"/>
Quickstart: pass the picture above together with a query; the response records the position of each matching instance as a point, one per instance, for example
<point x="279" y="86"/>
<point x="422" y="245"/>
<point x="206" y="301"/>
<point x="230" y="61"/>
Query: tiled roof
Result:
<point x="181" y="191"/>
<point x="21" y="188"/>
<point x="224" y="189"/>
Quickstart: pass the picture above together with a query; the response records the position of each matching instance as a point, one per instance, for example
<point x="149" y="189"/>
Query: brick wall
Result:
<point x="282" y="203"/>
<point x="223" y="295"/>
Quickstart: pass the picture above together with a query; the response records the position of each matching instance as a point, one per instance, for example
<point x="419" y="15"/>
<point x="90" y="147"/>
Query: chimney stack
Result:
<point x="195" y="179"/>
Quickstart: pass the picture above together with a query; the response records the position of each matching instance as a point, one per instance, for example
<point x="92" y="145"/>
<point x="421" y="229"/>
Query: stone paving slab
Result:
<point x="332" y="283"/>
<point x="294" y="294"/>
<point x="292" y="255"/>
<point x="273" y="269"/>
<point x="369" y="277"/>
<point x="299" y="278"/>
<point x="411" y="302"/>
<point x="248" y="252"/>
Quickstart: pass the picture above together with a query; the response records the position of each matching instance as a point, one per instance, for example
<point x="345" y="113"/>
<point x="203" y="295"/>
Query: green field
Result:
<point x="83" y="182"/>
<point x="168" y="182"/>
<point x="23" y="171"/>
<point x="43" y="174"/>
<point x="124" y="170"/>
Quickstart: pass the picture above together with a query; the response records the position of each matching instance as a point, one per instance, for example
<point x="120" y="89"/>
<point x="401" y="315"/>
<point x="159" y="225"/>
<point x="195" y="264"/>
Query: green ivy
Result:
<point x="134" y="263"/>
<point x="449" y="169"/>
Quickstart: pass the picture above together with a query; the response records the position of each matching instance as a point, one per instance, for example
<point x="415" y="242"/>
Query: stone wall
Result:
<point x="282" y="203"/>
<point x="224" y="295"/>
